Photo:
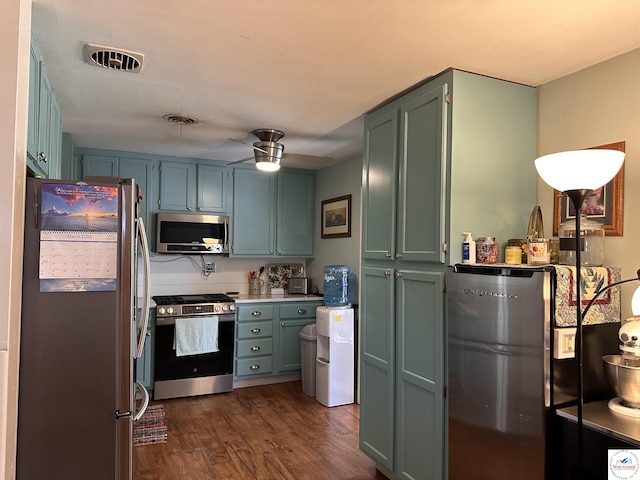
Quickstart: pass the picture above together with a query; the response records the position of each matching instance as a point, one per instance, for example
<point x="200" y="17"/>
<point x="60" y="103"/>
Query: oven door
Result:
<point x="168" y="366"/>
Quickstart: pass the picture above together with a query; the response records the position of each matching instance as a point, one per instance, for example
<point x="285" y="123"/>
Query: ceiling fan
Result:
<point x="268" y="152"/>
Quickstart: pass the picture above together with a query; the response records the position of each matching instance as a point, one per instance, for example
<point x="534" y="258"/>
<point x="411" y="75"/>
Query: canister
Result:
<point x="486" y="250"/>
<point x="512" y="255"/>
<point x="538" y="252"/>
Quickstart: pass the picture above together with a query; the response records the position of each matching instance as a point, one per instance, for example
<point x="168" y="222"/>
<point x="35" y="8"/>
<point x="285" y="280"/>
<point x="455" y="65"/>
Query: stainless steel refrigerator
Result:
<point x="503" y="382"/>
<point x="82" y="327"/>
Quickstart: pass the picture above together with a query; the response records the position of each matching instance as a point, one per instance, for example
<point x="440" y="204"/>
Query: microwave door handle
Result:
<point x="226" y="234"/>
<point x="147" y="289"/>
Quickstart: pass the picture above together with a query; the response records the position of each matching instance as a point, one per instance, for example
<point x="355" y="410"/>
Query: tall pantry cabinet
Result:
<point x="453" y="155"/>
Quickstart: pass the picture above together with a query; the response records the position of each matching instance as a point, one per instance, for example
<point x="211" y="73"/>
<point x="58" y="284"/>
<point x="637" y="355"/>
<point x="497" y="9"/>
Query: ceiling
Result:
<point x="310" y="68"/>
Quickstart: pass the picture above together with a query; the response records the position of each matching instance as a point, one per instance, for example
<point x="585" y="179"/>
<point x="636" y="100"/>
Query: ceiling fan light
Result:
<point x="267" y="166"/>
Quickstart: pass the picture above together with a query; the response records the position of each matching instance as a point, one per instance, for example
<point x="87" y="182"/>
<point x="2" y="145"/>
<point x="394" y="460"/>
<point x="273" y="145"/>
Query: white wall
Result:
<point x="15" y="25"/>
<point x="343" y="178"/>
<point x="597" y="106"/>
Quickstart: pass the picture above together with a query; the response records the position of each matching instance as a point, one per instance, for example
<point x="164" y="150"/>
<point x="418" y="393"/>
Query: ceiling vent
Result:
<point x="113" y="58"/>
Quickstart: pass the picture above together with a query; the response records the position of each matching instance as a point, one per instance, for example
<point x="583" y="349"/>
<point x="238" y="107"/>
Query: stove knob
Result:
<point x="216" y="308"/>
<point x="170" y="310"/>
<point x="225" y="308"/>
<point x="232" y="307"/>
<point x="161" y="310"/>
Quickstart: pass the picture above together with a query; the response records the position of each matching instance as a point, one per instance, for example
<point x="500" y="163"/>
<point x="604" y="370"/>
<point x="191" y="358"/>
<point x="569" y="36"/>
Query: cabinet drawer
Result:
<point x="256" y="312"/>
<point x="299" y="310"/>
<point x="255" y="329"/>
<point x="252" y="348"/>
<point x="253" y="366"/>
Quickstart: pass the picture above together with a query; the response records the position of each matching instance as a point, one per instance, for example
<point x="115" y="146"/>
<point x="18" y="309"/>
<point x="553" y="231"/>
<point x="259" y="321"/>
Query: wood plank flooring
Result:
<point x="267" y="432"/>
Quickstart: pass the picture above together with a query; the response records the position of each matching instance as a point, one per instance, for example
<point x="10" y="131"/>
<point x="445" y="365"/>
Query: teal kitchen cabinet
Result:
<point x="254" y="340"/>
<point x="273" y="213"/>
<point x="190" y="186"/>
<point x="401" y="412"/>
<point x="293" y="317"/>
<point x="434" y="164"/>
<point x="119" y="164"/>
<point x="144" y="365"/>
<point x="44" y="137"/>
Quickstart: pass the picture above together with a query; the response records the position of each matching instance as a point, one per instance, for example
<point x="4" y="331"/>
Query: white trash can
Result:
<point x="308" y="351"/>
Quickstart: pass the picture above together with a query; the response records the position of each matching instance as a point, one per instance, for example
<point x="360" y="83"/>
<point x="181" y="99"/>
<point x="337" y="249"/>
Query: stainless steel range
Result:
<point x="204" y="325"/>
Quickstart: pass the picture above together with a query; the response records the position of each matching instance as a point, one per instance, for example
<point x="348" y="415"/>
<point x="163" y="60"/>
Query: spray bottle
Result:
<point x="468" y="249"/>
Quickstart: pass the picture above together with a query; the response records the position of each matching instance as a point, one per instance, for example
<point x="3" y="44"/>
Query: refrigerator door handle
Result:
<point x="145" y="401"/>
<point x="147" y="291"/>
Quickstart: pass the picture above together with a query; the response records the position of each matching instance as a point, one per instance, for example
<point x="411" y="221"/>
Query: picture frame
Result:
<point x="335" y="217"/>
<point x="606" y="204"/>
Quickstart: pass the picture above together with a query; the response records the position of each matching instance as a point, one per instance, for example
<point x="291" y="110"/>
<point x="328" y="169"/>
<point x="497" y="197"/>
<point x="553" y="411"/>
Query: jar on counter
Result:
<point x="522" y="244"/>
<point x="591" y="242"/>
<point x="512" y="255"/>
<point x="486" y="250"/>
<point x="538" y="251"/>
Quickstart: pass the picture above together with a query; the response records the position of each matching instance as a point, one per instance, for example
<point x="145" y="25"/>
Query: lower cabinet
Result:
<point x="267" y="337"/>
<point x="401" y="398"/>
<point x="144" y="366"/>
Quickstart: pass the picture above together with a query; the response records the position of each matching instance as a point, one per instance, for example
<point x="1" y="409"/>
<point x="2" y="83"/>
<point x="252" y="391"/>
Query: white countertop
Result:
<point x="265" y="297"/>
<point x="598" y="416"/>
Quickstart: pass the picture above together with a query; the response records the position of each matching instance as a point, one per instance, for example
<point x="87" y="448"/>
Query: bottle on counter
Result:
<point x="468" y="249"/>
<point x="336" y="286"/>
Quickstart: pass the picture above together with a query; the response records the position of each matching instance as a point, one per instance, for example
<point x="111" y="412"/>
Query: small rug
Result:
<point x="151" y="427"/>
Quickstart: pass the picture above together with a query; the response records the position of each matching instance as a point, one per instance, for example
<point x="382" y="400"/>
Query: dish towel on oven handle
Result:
<point x="196" y="335"/>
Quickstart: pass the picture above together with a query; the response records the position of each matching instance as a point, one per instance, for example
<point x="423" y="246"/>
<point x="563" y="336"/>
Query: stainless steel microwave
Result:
<point x="192" y="233"/>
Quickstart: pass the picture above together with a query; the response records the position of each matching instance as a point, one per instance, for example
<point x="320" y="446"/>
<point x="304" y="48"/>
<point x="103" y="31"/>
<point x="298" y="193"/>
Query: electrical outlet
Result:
<point x="564" y="342"/>
<point x="210" y="267"/>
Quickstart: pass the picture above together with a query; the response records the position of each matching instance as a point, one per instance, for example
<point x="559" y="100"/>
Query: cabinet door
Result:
<point x="377" y="378"/>
<point x="254" y="210"/>
<point x="177" y="186"/>
<point x="144" y="173"/>
<point x="421" y="217"/>
<point x="55" y="139"/>
<point x="289" y="354"/>
<point x="379" y="184"/>
<point x="99" y="165"/>
<point x="295" y="220"/>
<point x="419" y="382"/>
<point x="212" y="191"/>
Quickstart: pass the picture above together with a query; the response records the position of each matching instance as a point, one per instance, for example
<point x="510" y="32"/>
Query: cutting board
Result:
<point x="279" y="273"/>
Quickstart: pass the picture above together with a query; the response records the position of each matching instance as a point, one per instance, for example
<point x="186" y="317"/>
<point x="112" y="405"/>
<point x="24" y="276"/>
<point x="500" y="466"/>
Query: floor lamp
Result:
<point x="576" y="174"/>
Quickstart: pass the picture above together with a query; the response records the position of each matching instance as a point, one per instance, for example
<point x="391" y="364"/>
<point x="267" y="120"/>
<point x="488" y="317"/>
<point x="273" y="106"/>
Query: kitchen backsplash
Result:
<point x="180" y="274"/>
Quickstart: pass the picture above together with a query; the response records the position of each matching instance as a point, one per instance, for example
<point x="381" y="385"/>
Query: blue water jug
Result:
<point x="336" y="286"/>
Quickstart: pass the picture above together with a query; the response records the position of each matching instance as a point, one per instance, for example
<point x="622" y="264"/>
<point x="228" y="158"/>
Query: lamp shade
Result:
<point x="268" y="166"/>
<point x="579" y="169"/>
<point x="268" y="155"/>
<point x="635" y="303"/>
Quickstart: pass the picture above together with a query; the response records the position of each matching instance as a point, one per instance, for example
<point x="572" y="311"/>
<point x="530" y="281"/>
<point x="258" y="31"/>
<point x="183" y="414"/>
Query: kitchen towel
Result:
<point x="604" y="310"/>
<point x="196" y="335"/>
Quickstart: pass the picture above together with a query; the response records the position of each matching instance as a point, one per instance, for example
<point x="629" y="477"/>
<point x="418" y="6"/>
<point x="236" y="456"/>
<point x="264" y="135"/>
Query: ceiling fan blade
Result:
<point x="308" y="159"/>
<point x="240" y="161"/>
<point x="249" y="145"/>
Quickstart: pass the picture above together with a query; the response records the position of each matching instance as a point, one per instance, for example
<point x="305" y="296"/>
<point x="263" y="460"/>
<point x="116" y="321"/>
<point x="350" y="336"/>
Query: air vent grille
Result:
<point x="114" y="58"/>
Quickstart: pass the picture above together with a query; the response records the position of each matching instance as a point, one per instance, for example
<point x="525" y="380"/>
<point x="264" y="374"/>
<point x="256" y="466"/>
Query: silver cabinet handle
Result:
<point x="387" y="255"/>
<point x="387" y="273"/>
<point x="398" y="274"/>
<point x="302" y="311"/>
<point x="254" y="367"/>
<point x="42" y="157"/>
<point x="256" y="313"/>
<point x="189" y="208"/>
<point x="255" y="348"/>
<point x="398" y="255"/>
<point x="255" y="330"/>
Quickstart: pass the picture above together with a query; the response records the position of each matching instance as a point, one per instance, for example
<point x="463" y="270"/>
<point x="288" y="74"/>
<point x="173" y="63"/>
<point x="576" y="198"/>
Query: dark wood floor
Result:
<point x="268" y="432"/>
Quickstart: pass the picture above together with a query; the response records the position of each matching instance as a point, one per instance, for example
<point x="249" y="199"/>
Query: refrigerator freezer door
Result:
<point x="497" y="374"/>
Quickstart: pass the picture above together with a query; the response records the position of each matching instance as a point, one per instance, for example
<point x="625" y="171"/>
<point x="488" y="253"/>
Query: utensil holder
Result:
<point x="255" y="286"/>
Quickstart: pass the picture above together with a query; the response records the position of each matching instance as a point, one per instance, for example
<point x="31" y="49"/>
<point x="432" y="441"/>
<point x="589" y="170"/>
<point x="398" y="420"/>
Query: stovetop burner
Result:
<point x="191" y="299"/>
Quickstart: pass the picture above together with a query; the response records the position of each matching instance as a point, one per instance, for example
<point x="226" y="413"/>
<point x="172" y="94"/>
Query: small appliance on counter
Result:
<point x="623" y="371"/>
<point x="299" y="286"/>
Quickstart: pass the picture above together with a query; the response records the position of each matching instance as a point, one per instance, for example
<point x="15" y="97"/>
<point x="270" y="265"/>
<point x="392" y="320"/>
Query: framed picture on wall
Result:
<point x="604" y="205"/>
<point x="336" y="217"/>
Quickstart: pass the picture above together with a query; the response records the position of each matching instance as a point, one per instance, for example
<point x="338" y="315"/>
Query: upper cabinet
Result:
<point x="273" y="213"/>
<point x="193" y="186"/>
<point x="404" y="162"/>
<point x="44" y="138"/>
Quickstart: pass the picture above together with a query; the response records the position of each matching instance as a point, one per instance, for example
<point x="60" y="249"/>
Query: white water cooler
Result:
<point x="335" y="362"/>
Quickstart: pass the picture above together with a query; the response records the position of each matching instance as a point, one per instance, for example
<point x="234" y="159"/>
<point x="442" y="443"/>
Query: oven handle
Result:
<point x="172" y="320"/>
